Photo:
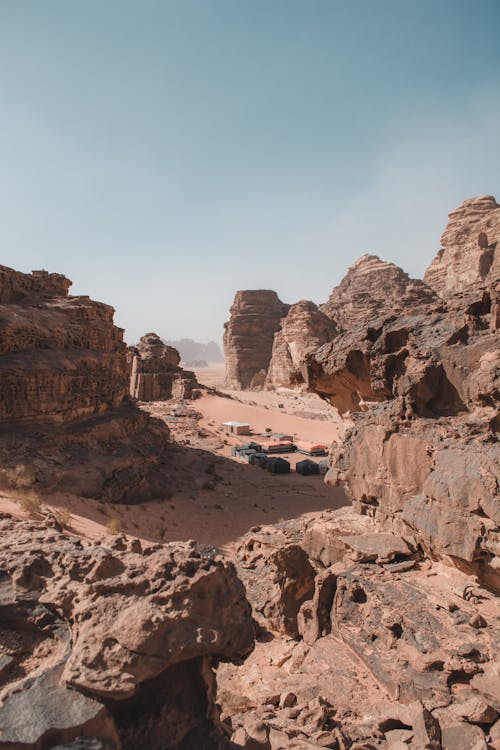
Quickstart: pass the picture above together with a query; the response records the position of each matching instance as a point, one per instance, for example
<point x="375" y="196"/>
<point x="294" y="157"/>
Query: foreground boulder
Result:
<point x="115" y="643"/>
<point x="66" y="420"/>
<point x="391" y="649"/>
<point x="155" y="371"/>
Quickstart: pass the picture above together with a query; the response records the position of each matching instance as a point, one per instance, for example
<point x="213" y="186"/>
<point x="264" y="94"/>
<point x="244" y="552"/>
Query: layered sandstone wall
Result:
<point x="374" y="288"/>
<point x="61" y="357"/>
<point x="469" y="255"/>
<point x="155" y="371"/>
<point x="249" y="335"/>
<point x="423" y="389"/>
<point x="66" y="420"/>
<point x="304" y="329"/>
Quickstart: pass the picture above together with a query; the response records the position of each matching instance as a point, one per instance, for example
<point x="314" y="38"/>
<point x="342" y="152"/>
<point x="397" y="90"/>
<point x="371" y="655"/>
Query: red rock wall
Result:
<point x="249" y="335"/>
<point x="61" y="357"/>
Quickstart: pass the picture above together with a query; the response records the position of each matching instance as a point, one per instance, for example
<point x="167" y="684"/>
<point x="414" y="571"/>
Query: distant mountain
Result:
<point x="192" y="350"/>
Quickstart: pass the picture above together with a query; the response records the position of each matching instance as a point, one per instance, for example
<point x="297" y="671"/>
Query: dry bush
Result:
<point x="114" y="526"/>
<point x="30" y="503"/>
<point x="63" y="517"/>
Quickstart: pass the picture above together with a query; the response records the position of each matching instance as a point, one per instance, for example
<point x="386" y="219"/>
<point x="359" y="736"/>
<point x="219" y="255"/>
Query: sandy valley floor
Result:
<point x="213" y="498"/>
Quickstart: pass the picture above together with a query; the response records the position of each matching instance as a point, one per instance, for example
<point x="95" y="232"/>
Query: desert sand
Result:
<point x="212" y="497"/>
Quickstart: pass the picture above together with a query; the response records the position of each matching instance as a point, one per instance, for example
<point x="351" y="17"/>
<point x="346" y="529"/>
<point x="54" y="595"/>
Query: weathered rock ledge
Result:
<point x="115" y="643"/>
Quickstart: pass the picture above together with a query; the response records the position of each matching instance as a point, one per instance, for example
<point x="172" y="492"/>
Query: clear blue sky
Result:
<point x="165" y="154"/>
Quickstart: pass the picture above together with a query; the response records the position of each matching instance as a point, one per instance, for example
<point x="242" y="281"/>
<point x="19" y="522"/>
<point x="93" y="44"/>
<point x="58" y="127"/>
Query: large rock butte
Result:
<point x="155" y="371"/>
<point x="373" y="288"/>
<point x="249" y="335"/>
<point x="304" y="329"/>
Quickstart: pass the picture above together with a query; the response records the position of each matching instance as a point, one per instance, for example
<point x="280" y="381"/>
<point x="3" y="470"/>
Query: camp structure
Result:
<point x="324" y="465"/>
<point x="236" y="428"/>
<point x="307" y="467"/>
<point x="259" y="459"/>
<point x="236" y="450"/>
<point x="179" y="410"/>
<point x="273" y="445"/>
<point x="278" y="466"/>
<point x="309" y="448"/>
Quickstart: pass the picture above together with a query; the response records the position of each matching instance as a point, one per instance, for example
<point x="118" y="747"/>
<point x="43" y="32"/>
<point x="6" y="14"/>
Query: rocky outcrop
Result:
<point x="423" y="455"/>
<point x="115" y="644"/>
<point x="248" y="336"/>
<point x="373" y="288"/>
<point x="155" y="371"/>
<point x="61" y="357"/>
<point x="390" y="651"/>
<point x="469" y="255"/>
<point x="304" y="329"/>
<point x="66" y="421"/>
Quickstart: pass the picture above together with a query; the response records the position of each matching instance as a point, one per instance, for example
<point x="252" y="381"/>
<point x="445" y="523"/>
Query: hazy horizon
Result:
<point x="164" y="155"/>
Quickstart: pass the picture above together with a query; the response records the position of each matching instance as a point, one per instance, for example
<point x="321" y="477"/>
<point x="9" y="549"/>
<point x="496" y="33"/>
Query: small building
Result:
<point x="307" y="467"/>
<point x="236" y="428"/>
<point x="278" y="466"/>
<point x="271" y="445"/>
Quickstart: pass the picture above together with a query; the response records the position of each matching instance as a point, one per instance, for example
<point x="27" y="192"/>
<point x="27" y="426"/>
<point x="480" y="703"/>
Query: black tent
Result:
<point x="259" y="459"/>
<point x="278" y="466"/>
<point x="307" y="467"/>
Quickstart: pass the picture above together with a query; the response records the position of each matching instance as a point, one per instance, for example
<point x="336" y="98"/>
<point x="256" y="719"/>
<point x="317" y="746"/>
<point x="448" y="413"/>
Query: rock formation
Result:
<point x="304" y="329"/>
<point x="66" y="422"/>
<point x="374" y="288"/>
<point x="469" y="254"/>
<point x="115" y="643"/>
<point x="423" y="456"/>
<point x="248" y="336"/>
<point x="362" y="643"/>
<point x="155" y="371"/>
<point x="61" y="357"/>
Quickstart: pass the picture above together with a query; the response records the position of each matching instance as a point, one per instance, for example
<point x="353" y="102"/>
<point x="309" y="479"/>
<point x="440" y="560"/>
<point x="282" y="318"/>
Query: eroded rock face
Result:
<point x="423" y="390"/>
<point x="248" y="336"/>
<point x="390" y="648"/>
<point x="61" y="357"/>
<point x="66" y="421"/>
<point x="304" y="329"/>
<point x="374" y="288"/>
<point x="155" y="371"/>
<point x="115" y="642"/>
<point x="469" y="255"/>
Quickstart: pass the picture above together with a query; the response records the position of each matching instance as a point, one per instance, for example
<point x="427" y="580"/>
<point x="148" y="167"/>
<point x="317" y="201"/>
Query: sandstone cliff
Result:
<point x="61" y="357"/>
<point x="66" y="422"/>
<point x="248" y="336"/>
<point x="113" y="643"/>
<point x="155" y="371"/>
<point x="423" y="456"/>
<point x="304" y="329"/>
<point x="469" y="254"/>
<point x="373" y="288"/>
